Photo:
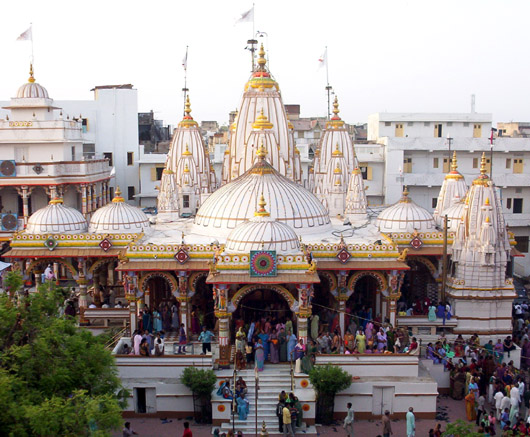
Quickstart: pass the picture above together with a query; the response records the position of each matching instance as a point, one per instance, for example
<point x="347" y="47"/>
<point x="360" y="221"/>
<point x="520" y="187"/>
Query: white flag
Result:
<point x="246" y="16"/>
<point x="26" y="36"/>
<point x="112" y="172"/>
<point x="185" y="60"/>
<point x="323" y="60"/>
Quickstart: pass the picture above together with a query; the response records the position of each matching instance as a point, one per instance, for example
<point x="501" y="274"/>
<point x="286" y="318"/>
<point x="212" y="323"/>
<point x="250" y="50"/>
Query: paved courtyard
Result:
<point x="366" y="428"/>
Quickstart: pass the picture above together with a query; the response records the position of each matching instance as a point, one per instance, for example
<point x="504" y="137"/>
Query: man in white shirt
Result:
<point x="498" y="399"/>
<point x="514" y="404"/>
<point x="505" y="403"/>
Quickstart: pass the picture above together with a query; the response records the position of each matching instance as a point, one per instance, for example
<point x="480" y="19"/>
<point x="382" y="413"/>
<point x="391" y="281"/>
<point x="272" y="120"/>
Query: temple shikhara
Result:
<point x="265" y="236"/>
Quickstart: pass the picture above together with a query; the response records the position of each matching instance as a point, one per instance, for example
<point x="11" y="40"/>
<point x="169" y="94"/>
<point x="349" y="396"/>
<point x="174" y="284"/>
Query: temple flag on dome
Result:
<point x="247" y="16"/>
<point x="27" y="35"/>
<point x="323" y="60"/>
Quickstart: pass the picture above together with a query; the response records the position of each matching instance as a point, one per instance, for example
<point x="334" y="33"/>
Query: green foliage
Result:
<point x="459" y="428"/>
<point x="13" y="282"/>
<point x="329" y="379"/>
<point x="200" y="382"/>
<point x="55" y="378"/>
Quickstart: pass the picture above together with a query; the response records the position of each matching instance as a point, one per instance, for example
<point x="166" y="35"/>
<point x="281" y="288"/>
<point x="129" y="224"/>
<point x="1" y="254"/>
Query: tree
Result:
<point x="461" y="429"/>
<point x="328" y="380"/>
<point x="201" y="383"/>
<point x="55" y="378"/>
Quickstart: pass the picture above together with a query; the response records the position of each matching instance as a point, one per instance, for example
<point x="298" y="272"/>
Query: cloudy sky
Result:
<point x="384" y="55"/>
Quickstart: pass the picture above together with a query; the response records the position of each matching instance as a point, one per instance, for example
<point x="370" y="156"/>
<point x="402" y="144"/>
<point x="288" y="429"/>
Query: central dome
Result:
<point x="56" y="218"/>
<point x="32" y="89"/>
<point x="237" y="201"/>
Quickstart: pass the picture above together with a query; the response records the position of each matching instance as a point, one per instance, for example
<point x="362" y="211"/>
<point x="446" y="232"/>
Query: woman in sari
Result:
<point x="360" y="338"/>
<point x="264" y="337"/>
<point x="274" y="347"/>
<point x="349" y="341"/>
<point x="381" y="340"/>
<point x="166" y="318"/>
<point x="175" y="321"/>
<point x="195" y="325"/>
<point x="470" y="407"/>
<point x="147" y="321"/>
<point x="243" y="407"/>
<point x="308" y="361"/>
<point x="282" y="338"/>
<point x="369" y="332"/>
<point x="432" y="314"/>
<point x="157" y="321"/>
<point x="259" y="355"/>
<point x="291" y="343"/>
<point x="299" y="350"/>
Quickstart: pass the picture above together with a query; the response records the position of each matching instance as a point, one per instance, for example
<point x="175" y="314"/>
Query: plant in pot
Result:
<point x="328" y="380"/>
<point x="201" y="383"/>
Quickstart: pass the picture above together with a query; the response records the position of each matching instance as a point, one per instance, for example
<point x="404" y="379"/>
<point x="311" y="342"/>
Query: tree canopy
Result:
<point x="55" y="378"/>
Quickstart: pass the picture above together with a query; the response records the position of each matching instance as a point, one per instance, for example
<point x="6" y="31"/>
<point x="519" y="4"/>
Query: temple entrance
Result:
<point x="159" y="292"/>
<point x="264" y="307"/>
<point x="419" y="288"/>
<point x="363" y="302"/>
<point x="201" y="309"/>
<point x="325" y="305"/>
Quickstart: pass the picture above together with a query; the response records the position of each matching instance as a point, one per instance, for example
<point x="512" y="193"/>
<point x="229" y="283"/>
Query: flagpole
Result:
<point x="328" y="88"/>
<point x="185" y="89"/>
<point x="253" y="18"/>
<point x="31" y="27"/>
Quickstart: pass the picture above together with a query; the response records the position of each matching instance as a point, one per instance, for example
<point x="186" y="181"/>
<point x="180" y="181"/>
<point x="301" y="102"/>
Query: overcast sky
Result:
<point x="384" y="55"/>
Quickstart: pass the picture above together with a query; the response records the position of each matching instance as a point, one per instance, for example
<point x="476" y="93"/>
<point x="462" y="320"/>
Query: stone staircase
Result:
<point x="273" y="379"/>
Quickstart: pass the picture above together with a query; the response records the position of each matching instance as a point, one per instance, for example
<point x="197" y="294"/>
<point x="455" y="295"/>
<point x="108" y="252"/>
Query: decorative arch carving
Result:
<point x="171" y="280"/>
<point x="247" y="289"/>
<point x="332" y="279"/>
<point x="40" y="261"/>
<point x="378" y="276"/>
<point x="427" y="263"/>
<point x="99" y="263"/>
<point x="194" y="278"/>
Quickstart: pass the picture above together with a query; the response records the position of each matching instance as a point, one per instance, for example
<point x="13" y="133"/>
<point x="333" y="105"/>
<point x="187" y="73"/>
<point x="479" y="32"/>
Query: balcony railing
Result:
<point x="63" y="168"/>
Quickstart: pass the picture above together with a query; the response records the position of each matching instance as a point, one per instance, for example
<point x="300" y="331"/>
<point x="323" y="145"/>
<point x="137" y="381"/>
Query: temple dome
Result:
<point x="235" y="202"/>
<point x="262" y="232"/>
<point x="56" y="218"/>
<point x="405" y="216"/>
<point x="117" y="217"/>
<point x="454" y="214"/>
<point x="32" y="89"/>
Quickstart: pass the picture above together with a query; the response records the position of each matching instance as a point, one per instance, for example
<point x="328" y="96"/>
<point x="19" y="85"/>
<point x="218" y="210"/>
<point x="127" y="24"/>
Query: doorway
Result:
<point x="382" y="400"/>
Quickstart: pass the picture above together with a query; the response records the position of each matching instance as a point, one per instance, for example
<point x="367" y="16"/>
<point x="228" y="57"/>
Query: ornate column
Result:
<point x="56" y="273"/>
<point x="342" y="297"/>
<point x="130" y="284"/>
<point x="107" y="193"/>
<point x="394" y="293"/>
<point x="84" y="200"/>
<point x="53" y="192"/>
<point x="94" y="198"/>
<point x="220" y="296"/>
<point x="83" y="286"/>
<point x="89" y="198"/>
<point x="304" y="309"/>
<point x="24" y="191"/>
<point x="184" y="299"/>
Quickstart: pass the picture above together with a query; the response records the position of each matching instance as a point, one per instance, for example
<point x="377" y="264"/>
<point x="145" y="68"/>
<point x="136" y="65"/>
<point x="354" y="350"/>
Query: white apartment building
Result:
<point x="150" y="168"/>
<point x="417" y="150"/>
<point x="109" y="130"/>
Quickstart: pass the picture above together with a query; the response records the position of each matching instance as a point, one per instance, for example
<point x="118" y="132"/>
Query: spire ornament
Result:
<point x="31" y="78"/>
<point x="454" y="164"/>
<point x="261" y="211"/>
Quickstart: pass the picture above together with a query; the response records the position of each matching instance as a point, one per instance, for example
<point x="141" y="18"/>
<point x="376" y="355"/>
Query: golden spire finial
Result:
<point x="405" y="191"/>
<point x="262" y="212"/>
<point x="487" y="219"/>
<point x="337" y="170"/>
<point x="483" y="164"/>
<point x="187" y="106"/>
<point x="336" y="106"/>
<point x="117" y="196"/>
<point x="337" y="151"/>
<point x="454" y="164"/>
<point x="262" y="122"/>
<point x="31" y="78"/>
<point x="186" y="168"/>
<point x="261" y="60"/>
<point x="405" y="198"/>
<point x="262" y="151"/>
<point x="187" y="151"/>
<point x="487" y="202"/>
<point x="56" y="200"/>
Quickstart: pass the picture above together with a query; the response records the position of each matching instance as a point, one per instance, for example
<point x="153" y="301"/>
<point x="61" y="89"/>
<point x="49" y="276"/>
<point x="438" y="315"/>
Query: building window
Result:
<point x="466" y="124"/>
<point x="509" y="203"/>
<point x="159" y="172"/>
<point x="84" y="124"/>
<point x="446" y="165"/>
<point x="477" y="130"/>
<point x="410" y="123"/>
<point x="316" y="135"/>
<point x="508" y="162"/>
<point x="522" y="244"/>
<point x="300" y="134"/>
<point x="434" y="202"/>
<point x="366" y="171"/>
<point x="427" y="123"/>
<point x="130" y="158"/>
<point x="108" y="155"/>
<point x="435" y="163"/>
<point x="130" y="193"/>
<point x="449" y="123"/>
<point x="518" y="165"/>
<point x="518" y="190"/>
<point x="438" y="130"/>
<point x="399" y="130"/>
<point x="407" y="165"/>
<point x="186" y="201"/>
<point x="73" y="153"/>
<point x="387" y="123"/>
<point x="475" y="162"/>
<point x="517" y="206"/>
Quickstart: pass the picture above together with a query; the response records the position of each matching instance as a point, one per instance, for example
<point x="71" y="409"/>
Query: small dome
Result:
<point x="56" y="219"/>
<point x="235" y="202"/>
<point x="405" y="216"/>
<point x="262" y="233"/>
<point x="117" y="217"/>
<point x="32" y="89"/>
<point x="454" y="215"/>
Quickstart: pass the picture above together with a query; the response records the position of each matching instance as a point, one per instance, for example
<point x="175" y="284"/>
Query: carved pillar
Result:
<point x="83" y="286"/>
<point x="84" y="209"/>
<point x="394" y="293"/>
<point x="38" y="278"/>
<point x="25" y="192"/>
<point x="89" y="198"/>
<point x="184" y="300"/>
<point x="107" y="194"/>
<point x="342" y="297"/>
<point x="130" y="285"/>
<point x="56" y="273"/>
<point x="53" y="192"/>
<point x="304" y="310"/>
<point x="94" y="198"/>
<point x="220" y="295"/>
